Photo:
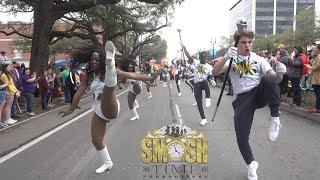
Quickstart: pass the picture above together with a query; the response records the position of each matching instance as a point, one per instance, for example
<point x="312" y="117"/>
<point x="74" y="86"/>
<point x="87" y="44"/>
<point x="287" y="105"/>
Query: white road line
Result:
<point x="179" y="114"/>
<point x="42" y="114"/>
<point x="42" y="137"/>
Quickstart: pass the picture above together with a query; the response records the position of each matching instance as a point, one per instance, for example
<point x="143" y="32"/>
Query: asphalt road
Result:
<point x="69" y="153"/>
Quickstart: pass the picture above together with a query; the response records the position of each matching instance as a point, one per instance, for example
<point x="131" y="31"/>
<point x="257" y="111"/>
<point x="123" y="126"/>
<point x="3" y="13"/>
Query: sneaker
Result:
<point x="110" y="77"/>
<point x="203" y="122"/>
<point x="3" y="125"/>
<point x="194" y="104"/>
<point x="179" y="94"/>
<point x="274" y="128"/>
<point x="104" y="167"/>
<point x="252" y="170"/>
<point x="10" y="121"/>
<point x="31" y="114"/>
<point x="150" y="96"/>
<point x="50" y="105"/>
<point x="208" y="102"/>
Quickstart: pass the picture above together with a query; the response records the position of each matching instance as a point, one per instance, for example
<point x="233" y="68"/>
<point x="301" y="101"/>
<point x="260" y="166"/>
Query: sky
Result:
<point x="200" y="21"/>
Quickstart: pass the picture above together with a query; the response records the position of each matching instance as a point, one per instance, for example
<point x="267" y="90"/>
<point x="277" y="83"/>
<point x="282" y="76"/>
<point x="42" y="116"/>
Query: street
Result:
<point x="69" y="153"/>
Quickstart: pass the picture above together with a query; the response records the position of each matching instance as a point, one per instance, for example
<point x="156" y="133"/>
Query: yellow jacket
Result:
<point x="315" y="71"/>
<point x="11" y="88"/>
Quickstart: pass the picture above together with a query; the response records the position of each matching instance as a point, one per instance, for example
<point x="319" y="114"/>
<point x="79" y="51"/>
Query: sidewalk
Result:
<point x="30" y="128"/>
<point x="301" y="112"/>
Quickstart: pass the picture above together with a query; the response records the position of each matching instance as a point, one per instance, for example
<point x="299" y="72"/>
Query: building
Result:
<point x="267" y="17"/>
<point x="19" y="54"/>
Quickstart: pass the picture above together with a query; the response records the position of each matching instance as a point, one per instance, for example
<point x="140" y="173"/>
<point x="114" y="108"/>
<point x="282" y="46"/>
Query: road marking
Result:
<point x="39" y="115"/>
<point x="42" y="137"/>
<point x="179" y="114"/>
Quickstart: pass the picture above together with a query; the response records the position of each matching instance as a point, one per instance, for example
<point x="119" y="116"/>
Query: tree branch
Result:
<point x="14" y="31"/>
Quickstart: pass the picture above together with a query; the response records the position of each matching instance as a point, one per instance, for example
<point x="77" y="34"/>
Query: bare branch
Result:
<point x="14" y="31"/>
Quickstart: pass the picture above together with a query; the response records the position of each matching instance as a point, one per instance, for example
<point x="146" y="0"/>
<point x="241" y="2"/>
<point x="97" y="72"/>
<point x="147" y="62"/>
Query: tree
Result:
<point x="156" y="49"/>
<point x="46" y="13"/>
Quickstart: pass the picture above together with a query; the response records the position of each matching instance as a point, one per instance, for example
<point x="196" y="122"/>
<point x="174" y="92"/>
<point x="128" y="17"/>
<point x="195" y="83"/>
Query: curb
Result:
<point x="294" y="110"/>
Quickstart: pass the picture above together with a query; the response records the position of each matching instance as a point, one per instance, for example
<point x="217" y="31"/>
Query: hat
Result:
<point x="281" y="46"/>
<point x="95" y="54"/>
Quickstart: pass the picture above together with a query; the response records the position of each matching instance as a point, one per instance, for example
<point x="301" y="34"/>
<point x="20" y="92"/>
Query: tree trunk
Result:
<point x="43" y="23"/>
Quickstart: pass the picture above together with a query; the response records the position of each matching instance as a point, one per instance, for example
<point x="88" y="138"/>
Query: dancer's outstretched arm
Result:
<point x="75" y="101"/>
<point x="136" y="76"/>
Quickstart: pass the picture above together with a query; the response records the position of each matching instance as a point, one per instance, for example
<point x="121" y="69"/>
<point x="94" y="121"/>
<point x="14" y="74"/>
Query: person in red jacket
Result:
<point x="43" y="88"/>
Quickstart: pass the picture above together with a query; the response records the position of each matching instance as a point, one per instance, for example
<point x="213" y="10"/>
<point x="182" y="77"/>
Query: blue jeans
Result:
<point x="30" y="99"/>
<point x="44" y="96"/>
<point x="14" y="107"/>
<point x="67" y="94"/>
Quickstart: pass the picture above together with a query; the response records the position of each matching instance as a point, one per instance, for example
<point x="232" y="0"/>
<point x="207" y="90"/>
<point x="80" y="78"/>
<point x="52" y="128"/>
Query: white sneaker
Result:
<point x="3" y="125"/>
<point x="252" y="170"/>
<point x="165" y="84"/>
<point x="10" y="121"/>
<point x="150" y="96"/>
<point x="274" y="128"/>
<point x="203" y="122"/>
<point x="179" y="94"/>
<point x="208" y="102"/>
<point x="110" y="77"/>
<point x="104" y="167"/>
<point x="194" y="104"/>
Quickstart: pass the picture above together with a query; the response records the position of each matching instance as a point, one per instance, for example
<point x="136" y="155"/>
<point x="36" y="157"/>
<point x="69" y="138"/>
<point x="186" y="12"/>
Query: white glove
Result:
<point x="280" y="67"/>
<point x="231" y="54"/>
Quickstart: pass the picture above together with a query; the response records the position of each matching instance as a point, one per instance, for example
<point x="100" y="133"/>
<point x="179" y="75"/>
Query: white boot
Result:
<point x="208" y="102"/>
<point x="150" y="95"/>
<point x="105" y="157"/>
<point x="135" y="114"/>
<point x="136" y="105"/>
<point x="110" y="77"/>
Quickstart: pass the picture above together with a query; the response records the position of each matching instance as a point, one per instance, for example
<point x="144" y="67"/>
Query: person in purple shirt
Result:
<point x="28" y="87"/>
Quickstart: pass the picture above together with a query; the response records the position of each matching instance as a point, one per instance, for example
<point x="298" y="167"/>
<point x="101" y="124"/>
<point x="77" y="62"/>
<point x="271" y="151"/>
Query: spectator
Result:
<point x="28" y="87"/>
<point x="43" y="88"/>
<point x="16" y="79"/>
<point x="11" y="91"/>
<point x="72" y="82"/>
<point x="315" y="74"/>
<point x="50" y="77"/>
<point x="284" y="89"/>
<point x="295" y="73"/>
<point x="64" y="76"/>
<point x="3" y="57"/>
<point x="3" y="94"/>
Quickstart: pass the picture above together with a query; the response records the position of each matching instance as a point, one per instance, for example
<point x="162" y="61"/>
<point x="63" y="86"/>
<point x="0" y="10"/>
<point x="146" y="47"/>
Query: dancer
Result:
<point x="165" y="72"/>
<point x="201" y="72"/>
<point x="134" y="87"/>
<point x="255" y="85"/>
<point x="102" y="80"/>
<point x="177" y="73"/>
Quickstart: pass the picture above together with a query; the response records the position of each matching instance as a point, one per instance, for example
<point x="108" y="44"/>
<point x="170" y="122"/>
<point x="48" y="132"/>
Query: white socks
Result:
<point x="110" y="77"/>
<point x="136" y="105"/>
<point x="208" y="102"/>
<point x="105" y="157"/>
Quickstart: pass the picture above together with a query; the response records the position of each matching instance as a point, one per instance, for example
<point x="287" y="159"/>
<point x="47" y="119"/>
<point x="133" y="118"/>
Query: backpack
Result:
<point x="304" y="62"/>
